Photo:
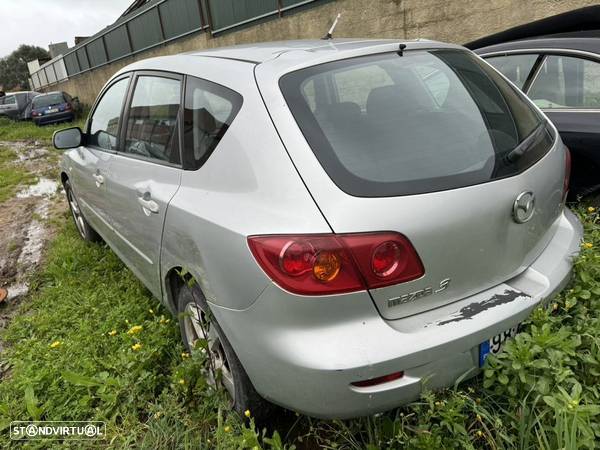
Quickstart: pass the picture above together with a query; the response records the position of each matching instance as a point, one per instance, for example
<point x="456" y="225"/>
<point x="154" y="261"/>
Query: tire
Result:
<point x="242" y="395"/>
<point x="86" y="232"/>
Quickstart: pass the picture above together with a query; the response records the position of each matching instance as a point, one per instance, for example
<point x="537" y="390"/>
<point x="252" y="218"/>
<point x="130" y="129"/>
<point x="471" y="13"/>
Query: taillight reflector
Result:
<point x="378" y="380"/>
<point x="323" y="264"/>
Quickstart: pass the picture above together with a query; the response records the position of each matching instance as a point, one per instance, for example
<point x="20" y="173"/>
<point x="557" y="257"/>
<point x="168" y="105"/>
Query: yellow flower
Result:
<point x="554" y="306"/>
<point x="55" y="344"/>
<point x="591" y="209"/>
<point x="185" y="355"/>
<point x="135" y="329"/>
<point x="112" y="332"/>
<point x="478" y="418"/>
<point x="479" y="433"/>
<point x="247" y="413"/>
<point x="227" y="429"/>
<point x="151" y="311"/>
<point x="588" y="245"/>
<point x="182" y="381"/>
<point x="136" y="347"/>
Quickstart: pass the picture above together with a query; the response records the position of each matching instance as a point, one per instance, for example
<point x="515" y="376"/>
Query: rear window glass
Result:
<point x="386" y="125"/>
<point x="42" y="101"/>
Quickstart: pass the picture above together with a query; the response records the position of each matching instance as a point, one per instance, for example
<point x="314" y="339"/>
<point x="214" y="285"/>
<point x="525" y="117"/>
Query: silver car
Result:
<point x="17" y="105"/>
<point x="341" y="220"/>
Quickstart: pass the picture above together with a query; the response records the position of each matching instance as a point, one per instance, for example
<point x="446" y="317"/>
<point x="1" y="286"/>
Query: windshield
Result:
<point x="42" y="101"/>
<point x="385" y="125"/>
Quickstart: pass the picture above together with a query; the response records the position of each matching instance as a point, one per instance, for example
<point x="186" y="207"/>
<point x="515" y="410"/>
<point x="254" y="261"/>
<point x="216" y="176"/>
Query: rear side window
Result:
<point x="10" y="100"/>
<point x="386" y="125"/>
<point x="152" y="120"/>
<point x="209" y="111"/>
<point x="566" y="82"/>
<point x="514" y="67"/>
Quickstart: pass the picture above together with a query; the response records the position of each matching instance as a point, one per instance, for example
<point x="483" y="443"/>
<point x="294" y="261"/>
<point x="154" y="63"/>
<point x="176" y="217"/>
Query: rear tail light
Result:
<point x="336" y="263"/>
<point x="68" y="107"/>
<point x="567" y="178"/>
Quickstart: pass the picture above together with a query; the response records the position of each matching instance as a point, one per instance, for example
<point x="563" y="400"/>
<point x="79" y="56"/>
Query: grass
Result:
<point x="12" y="177"/>
<point x="11" y="130"/>
<point x="74" y="356"/>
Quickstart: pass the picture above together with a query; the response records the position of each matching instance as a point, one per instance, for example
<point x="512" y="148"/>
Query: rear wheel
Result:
<point x="223" y="368"/>
<point x="86" y="232"/>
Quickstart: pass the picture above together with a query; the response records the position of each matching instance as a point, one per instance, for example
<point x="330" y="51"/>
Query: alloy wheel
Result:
<point x="197" y="326"/>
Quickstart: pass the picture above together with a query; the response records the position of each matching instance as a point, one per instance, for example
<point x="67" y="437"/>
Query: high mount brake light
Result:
<point x="321" y="264"/>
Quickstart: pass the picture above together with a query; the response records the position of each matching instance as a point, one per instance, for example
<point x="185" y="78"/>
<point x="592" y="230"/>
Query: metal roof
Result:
<point x="262" y="52"/>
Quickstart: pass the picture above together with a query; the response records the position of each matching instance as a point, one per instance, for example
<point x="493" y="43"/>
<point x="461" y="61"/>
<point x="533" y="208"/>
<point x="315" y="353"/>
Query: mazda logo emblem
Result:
<point x="524" y="207"/>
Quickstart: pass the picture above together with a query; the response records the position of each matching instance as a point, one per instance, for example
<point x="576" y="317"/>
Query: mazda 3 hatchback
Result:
<point x="342" y="221"/>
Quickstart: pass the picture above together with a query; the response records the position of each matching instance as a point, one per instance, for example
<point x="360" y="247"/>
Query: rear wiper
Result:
<point x="533" y="138"/>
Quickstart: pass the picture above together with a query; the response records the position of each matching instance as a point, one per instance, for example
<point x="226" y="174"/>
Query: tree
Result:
<point x="13" y="68"/>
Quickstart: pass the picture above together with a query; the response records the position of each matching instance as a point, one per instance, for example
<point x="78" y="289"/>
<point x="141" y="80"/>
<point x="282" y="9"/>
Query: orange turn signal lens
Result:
<point x="326" y="267"/>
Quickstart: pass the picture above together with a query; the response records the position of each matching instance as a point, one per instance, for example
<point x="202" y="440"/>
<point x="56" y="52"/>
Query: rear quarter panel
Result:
<point x="248" y="186"/>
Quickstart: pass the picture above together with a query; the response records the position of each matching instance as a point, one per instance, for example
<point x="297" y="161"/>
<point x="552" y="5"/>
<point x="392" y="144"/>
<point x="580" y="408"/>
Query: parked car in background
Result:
<point x="17" y="105"/>
<point x="54" y="107"/>
<point x="561" y="75"/>
<point x="338" y="221"/>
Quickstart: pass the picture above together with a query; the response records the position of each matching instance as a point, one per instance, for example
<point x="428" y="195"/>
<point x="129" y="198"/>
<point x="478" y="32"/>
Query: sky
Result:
<point x="41" y="22"/>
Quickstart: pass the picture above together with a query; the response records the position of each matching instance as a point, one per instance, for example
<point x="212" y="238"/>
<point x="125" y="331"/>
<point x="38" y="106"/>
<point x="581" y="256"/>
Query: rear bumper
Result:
<point x="53" y="118"/>
<point x="303" y="353"/>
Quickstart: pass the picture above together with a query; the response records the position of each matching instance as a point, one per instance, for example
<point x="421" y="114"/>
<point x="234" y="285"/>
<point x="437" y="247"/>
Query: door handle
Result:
<point x="99" y="179"/>
<point x="148" y="205"/>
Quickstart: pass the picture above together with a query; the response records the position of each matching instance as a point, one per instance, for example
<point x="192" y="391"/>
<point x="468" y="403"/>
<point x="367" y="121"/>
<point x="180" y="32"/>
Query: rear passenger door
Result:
<point x="146" y="172"/>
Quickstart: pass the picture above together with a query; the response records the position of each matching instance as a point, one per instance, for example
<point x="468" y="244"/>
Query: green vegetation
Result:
<point x="11" y="176"/>
<point x="92" y="344"/>
<point x="11" y="130"/>
<point x="14" y="74"/>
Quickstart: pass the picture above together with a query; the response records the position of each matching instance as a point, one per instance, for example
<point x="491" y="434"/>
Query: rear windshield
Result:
<point x="387" y="125"/>
<point x="41" y="101"/>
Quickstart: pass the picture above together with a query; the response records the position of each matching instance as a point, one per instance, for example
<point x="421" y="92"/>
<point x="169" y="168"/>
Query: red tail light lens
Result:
<point x="567" y="179"/>
<point x="331" y="264"/>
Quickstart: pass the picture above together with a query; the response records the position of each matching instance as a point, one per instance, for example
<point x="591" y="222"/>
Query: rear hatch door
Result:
<point x="433" y="144"/>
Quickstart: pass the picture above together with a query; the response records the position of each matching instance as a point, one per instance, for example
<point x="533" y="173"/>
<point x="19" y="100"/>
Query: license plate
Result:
<point x="494" y="345"/>
<point x="53" y="110"/>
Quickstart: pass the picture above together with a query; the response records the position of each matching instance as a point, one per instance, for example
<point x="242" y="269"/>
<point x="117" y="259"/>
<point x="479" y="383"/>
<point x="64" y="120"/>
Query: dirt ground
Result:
<point x="25" y="223"/>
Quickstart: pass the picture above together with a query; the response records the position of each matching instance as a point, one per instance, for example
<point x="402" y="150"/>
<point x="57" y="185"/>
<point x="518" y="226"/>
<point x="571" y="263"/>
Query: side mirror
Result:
<point x="67" y="138"/>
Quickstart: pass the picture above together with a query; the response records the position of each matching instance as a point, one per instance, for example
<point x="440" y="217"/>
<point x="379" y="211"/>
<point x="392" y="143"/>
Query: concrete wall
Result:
<point x="455" y="21"/>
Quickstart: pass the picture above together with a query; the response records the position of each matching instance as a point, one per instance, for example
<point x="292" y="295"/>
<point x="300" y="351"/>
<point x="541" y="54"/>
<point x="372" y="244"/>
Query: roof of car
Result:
<point x="265" y="51"/>
<point x="582" y="22"/>
<point x="273" y="58"/>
